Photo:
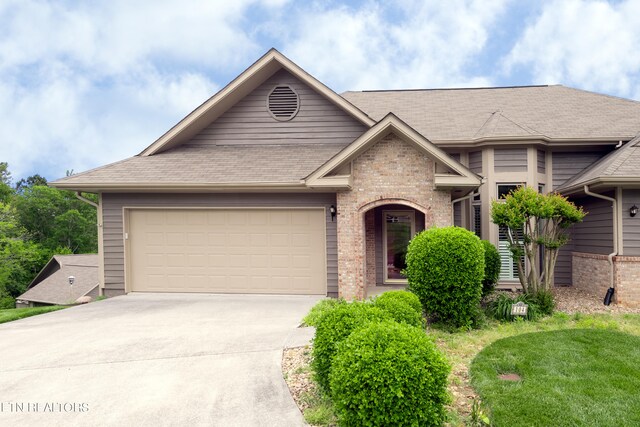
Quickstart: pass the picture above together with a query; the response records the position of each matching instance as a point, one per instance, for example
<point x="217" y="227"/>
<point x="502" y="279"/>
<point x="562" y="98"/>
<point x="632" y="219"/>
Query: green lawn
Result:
<point x="11" y="314"/>
<point x="585" y="377"/>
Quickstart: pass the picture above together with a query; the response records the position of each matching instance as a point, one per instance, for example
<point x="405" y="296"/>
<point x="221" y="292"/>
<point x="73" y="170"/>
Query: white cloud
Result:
<point x="589" y="44"/>
<point x="430" y="44"/>
<point x="86" y="83"/>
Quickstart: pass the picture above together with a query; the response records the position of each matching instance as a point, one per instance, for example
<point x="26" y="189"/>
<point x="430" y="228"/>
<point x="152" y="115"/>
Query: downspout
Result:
<point x="615" y="231"/>
<point x="100" y="254"/>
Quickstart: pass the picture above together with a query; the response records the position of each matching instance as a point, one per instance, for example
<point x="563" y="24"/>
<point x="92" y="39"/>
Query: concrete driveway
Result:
<point x="153" y="360"/>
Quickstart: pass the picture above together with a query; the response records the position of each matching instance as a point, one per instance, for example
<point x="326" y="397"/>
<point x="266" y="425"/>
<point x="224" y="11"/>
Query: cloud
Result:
<point x="589" y="44"/>
<point x="86" y="83"/>
<point x="401" y="45"/>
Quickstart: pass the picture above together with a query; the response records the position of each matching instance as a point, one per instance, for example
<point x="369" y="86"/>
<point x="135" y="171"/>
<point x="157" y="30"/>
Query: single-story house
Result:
<point x="51" y="286"/>
<point x="277" y="184"/>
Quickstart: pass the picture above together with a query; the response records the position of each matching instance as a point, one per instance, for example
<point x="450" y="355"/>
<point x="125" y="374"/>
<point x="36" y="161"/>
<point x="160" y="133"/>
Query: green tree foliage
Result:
<point x="445" y="268"/>
<point x="56" y="218"/>
<point x="37" y="222"/>
<point x="535" y="225"/>
<point x="5" y="182"/>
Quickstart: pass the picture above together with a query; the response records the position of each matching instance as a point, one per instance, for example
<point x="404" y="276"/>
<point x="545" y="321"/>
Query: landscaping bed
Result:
<point x="577" y="310"/>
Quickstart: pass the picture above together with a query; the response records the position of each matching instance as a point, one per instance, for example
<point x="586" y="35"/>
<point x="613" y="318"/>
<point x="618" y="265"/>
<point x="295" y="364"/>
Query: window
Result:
<point x="476" y="225"/>
<point x="509" y="270"/>
<point x="504" y="189"/>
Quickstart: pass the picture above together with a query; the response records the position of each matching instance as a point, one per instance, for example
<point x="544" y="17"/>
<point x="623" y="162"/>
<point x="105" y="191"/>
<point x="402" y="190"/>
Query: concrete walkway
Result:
<point x="152" y="360"/>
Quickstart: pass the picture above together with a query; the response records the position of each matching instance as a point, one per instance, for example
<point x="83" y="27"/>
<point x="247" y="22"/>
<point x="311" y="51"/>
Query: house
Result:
<point x="277" y="184"/>
<point x="51" y="286"/>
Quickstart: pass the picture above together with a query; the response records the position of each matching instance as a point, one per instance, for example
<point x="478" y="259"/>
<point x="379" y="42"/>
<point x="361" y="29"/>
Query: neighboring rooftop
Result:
<point x="555" y="112"/>
<point x="51" y="285"/>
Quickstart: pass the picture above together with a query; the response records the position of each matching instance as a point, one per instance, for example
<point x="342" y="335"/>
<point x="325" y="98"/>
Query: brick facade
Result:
<point x="591" y="272"/>
<point x="390" y="172"/>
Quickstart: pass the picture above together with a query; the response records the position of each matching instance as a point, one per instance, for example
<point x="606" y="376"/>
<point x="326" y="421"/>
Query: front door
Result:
<point x="398" y="229"/>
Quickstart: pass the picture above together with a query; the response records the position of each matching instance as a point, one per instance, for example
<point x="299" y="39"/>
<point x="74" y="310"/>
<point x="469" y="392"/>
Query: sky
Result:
<point x="83" y="84"/>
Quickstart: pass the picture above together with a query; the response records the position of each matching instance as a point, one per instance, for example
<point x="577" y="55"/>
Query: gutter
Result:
<point x="615" y="235"/>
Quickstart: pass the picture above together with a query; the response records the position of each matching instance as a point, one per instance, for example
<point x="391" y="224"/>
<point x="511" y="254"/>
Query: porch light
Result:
<point x="71" y="280"/>
<point x="332" y="211"/>
<point x="633" y="210"/>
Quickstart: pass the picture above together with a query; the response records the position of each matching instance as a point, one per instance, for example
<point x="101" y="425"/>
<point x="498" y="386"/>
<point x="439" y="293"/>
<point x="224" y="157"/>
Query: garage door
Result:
<point x="276" y="251"/>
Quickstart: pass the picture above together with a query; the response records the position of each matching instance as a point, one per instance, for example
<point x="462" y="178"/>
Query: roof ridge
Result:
<point x="449" y="88"/>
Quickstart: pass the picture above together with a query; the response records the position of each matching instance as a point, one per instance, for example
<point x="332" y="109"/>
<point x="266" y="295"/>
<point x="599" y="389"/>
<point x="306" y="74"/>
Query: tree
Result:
<point x="535" y="224"/>
<point x="31" y="181"/>
<point x="5" y="182"/>
<point x="56" y="218"/>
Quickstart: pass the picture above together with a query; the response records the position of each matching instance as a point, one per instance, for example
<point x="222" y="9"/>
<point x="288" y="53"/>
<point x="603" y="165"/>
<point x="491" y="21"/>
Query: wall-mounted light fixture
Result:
<point x="71" y="280"/>
<point x="332" y="211"/>
<point x="633" y="210"/>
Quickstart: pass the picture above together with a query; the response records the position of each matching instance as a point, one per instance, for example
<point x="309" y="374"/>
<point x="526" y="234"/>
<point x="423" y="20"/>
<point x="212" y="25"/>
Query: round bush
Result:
<point x="399" y="310"/>
<point x="445" y="268"/>
<point x="335" y="326"/>
<point x="492" y="265"/>
<point x="320" y="309"/>
<point x="388" y="374"/>
<point x="406" y="297"/>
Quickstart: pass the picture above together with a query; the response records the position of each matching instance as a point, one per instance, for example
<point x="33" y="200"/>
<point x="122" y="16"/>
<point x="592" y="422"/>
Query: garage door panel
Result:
<point x="227" y="250"/>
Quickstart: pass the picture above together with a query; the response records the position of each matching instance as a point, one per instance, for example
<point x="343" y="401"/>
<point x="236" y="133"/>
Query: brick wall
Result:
<point x="390" y="172"/>
<point x="627" y="273"/>
<point x="591" y="272"/>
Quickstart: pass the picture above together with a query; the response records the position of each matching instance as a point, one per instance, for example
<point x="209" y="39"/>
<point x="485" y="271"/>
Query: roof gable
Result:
<point x="457" y="175"/>
<point x="249" y="121"/>
<point x="240" y="87"/>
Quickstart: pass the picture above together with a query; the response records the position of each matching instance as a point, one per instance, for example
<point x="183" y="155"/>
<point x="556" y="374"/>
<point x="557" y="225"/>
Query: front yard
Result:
<point x="11" y="314"/>
<point x="462" y="347"/>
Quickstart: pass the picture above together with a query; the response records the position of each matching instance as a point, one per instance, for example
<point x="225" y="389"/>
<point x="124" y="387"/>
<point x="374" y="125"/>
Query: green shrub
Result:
<point x="445" y="268"/>
<point x="400" y="311"/>
<point x="7" y="302"/>
<point x="545" y="302"/>
<point x="406" y="297"/>
<point x="320" y="309"/>
<point x="500" y="307"/>
<point x="335" y="326"/>
<point x="388" y="374"/>
<point x="492" y="265"/>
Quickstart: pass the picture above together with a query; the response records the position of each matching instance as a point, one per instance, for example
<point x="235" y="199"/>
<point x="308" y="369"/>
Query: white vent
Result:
<point x="283" y="103"/>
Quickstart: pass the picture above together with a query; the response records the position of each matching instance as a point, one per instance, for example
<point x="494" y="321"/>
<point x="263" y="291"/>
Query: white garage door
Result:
<point x="275" y="251"/>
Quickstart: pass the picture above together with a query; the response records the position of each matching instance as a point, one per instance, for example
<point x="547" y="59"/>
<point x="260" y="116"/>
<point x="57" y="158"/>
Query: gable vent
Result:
<point x="283" y="103"/>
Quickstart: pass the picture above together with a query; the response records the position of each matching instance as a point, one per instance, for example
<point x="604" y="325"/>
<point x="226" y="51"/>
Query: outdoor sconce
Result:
<point x="332" y="211"/>
<point x="633" y="210"/>
<point x="71" y="280"/>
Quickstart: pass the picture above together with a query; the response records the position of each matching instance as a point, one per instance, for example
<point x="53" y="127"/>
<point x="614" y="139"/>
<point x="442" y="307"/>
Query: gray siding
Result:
<point x="112" y="206"/>
<point x="542" y="162"/>
<point x="562" y="274"/>
<point x="630" y="226"/>
<point x="249" y="121"/>
<point x="475" y="161"/>
<point x="510" y="159"/>
<point x="568" y="164"/>
<point x="595" y="233"/>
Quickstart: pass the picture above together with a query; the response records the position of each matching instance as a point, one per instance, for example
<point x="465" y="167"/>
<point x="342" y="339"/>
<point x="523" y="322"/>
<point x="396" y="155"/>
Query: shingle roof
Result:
<point x="556" y="112"/>
<point x="55" y="289"/>
<point x="215" y="165"/>
<point x="619" y="164"/>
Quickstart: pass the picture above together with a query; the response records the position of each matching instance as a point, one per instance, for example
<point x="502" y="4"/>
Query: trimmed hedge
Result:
<point x="334" y="327"/>
<point x="492" y="265"/>
<point x="445" y="269"/>
<point x="399" y="309"/>
<point x="406" y="297"/>
<point x="320" y="309"/>
<point x="387" y="374"/>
